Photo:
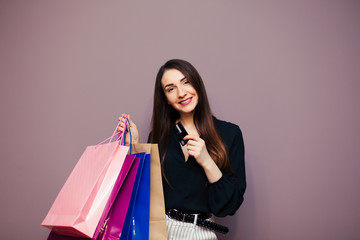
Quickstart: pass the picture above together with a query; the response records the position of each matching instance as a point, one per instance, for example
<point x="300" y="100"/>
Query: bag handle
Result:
<point x="120" y="135"/>
<point x="127" y="128"/>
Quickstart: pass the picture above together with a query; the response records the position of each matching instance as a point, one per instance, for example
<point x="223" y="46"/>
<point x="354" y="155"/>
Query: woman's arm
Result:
<point x="227" y="194"/>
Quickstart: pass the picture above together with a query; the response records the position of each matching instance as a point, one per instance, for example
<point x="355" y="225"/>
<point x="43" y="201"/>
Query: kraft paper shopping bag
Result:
<point x="157" y="221"/>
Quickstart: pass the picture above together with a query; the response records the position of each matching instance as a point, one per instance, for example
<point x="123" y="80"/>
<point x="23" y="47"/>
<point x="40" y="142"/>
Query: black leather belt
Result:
<point x="201" y="220"/>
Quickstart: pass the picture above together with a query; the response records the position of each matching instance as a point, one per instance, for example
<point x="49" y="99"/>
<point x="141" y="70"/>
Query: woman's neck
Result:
<point x="187" y="119"/>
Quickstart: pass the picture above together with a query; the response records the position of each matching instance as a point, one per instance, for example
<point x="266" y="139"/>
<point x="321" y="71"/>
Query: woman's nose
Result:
<point x="181" y="92"/>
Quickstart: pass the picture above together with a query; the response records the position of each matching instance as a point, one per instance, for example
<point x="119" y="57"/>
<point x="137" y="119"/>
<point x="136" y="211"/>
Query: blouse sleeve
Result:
<point x="226" y="195"/>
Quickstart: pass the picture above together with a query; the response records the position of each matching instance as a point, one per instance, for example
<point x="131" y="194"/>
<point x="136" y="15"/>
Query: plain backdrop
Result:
<point x="287" y="72"/>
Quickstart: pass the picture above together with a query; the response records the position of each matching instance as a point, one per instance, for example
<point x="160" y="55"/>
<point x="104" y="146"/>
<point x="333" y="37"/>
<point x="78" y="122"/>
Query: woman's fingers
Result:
<point x="190" y="137"/>
<point x="122" y="120"/>
<point x="134" y="131"/>
<point x="130" y="122"/>
<point x="196" y="146"/>
<point x="193" y="146"/>
<point x="193" y="140"/>
<point x="122" y="116"/>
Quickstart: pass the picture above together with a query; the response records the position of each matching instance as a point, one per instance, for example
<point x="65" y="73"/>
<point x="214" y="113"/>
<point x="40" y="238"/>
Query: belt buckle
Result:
<point x="196" y="215"/>
<point x="184" y="217"/>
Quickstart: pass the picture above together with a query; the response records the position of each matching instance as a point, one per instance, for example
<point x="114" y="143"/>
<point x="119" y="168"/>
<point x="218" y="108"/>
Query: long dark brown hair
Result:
<point x="164" y="115"/>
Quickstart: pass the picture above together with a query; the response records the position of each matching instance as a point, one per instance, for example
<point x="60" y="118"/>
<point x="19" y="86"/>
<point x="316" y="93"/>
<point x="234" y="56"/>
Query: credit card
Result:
<point x="181" y="133"/>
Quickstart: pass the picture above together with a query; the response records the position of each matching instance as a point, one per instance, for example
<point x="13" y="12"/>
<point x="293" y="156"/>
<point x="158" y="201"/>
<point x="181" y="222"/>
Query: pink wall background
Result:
<point x="286" y="72"/>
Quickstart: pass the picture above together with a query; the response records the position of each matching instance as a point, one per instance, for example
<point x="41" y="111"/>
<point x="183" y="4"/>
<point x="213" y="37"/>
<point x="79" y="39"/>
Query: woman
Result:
<point x="207" y="175"/>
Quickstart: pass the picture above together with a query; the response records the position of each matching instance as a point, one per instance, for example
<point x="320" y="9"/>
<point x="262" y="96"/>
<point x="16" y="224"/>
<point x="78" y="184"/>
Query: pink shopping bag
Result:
<point x="88" y="193"/>
<point x="119" y="203"/>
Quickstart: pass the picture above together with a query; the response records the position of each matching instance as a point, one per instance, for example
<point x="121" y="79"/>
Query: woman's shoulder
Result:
<point x="229" y="132"/>
<point x="226" y="127"/>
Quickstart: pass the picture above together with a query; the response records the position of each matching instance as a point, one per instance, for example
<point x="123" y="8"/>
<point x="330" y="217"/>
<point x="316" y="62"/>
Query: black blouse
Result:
<point x="188" y="187"/>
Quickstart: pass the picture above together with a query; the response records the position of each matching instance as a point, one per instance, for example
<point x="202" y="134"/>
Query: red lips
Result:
<point x="185" y="102"/>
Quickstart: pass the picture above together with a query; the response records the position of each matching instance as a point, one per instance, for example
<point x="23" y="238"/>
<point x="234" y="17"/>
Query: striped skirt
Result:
<point x="178" y="230"/>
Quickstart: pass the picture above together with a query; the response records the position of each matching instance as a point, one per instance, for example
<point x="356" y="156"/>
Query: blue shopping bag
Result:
<point x="136" y="224"/>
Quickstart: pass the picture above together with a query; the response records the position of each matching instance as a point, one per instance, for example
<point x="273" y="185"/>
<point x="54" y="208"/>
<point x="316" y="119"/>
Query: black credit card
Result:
<point x="181" y="133"/>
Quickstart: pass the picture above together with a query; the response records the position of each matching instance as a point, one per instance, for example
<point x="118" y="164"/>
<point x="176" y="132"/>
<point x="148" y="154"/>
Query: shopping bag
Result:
<point x="136" y="224"/>
<point x="114" y="222"/>
<point x="54" y="236"/>
<point x="157" y="221"/>
<point x="87" y="194"/>
<point x="140" y="221"/>
<point x="123" y="187"/>
<point x="116" y="217"/>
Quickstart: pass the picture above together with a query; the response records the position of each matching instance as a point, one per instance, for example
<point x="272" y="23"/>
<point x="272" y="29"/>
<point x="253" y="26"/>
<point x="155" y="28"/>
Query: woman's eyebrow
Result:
<point x="182" y="79"/>
<point x="168" y="85"/>
<point x="171" y="84"/>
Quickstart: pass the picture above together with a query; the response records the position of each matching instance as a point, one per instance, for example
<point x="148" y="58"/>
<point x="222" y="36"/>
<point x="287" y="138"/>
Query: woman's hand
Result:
<point x="133" y="129"/>
<point x="196" y="147"/>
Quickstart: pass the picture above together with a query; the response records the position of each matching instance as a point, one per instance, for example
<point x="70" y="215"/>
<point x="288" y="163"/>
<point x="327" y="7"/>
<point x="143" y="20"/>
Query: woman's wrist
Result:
<point x="211" y="170"/>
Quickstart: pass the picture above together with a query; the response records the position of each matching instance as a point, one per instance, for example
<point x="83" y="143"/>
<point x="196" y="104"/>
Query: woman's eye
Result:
<point x="186" y="82"/>
<point x="170" y="89"/>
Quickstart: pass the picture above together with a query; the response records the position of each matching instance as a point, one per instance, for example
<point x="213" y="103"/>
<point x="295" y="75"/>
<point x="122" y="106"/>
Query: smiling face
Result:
<point x="179" y="92"/>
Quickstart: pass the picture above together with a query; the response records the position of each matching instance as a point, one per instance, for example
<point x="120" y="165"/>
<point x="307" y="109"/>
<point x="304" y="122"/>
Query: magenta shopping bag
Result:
<point x="116" y="218"/>
<point x="123" y="184"/>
